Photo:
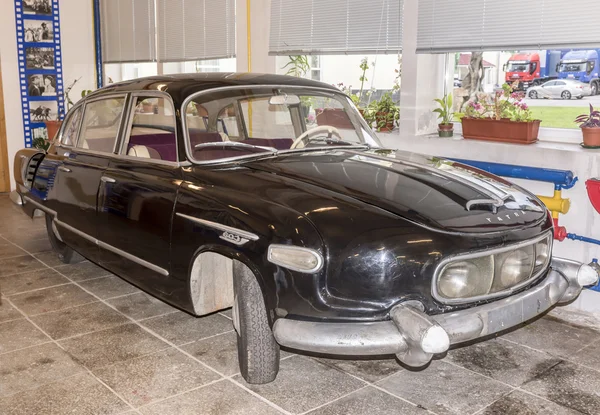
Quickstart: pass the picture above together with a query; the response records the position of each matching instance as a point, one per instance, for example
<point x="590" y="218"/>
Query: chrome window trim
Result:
<point x="188" y="99"/>
<point x="113" y="249"/>
<point x="126" y="99"/>
<point x="477" y="254"/>
<point x="68" y="116"/>
<point x="215" y="225"/>
<point x="129" y="122"/>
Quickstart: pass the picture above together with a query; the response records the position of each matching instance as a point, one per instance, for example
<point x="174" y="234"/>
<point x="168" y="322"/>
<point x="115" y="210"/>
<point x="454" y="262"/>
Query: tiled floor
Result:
<point x="76" y="340"/>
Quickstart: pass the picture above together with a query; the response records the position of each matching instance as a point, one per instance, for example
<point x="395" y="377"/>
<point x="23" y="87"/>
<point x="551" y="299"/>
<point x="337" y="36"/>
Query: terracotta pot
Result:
<point x="335" y="117"/>
<point x="446" y="130"/>
<point x="591" y="136"/>
<point x="382" y="116"/>
<point x="52" y="127"/>
<point x="501" y="130"/>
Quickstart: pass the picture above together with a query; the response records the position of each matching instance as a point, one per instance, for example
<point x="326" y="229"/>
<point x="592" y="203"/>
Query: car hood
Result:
<point x="433" y="192"/>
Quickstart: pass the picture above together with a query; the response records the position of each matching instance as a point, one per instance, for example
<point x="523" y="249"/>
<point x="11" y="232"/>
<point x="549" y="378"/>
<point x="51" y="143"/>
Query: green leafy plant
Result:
<point x="383" y="112"/>
<point x="504" y="104"/>
<point x="297" y="65"/>
<point x="445" y="111"/>
<point x="591" y="120"/>
<point x="41" y="143"/>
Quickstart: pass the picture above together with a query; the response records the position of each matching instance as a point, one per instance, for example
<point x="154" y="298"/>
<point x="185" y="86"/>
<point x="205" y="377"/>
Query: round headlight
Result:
<point x="541" y="253"/>
<point x="515" y="267"/>
<point x="465" y="279"/>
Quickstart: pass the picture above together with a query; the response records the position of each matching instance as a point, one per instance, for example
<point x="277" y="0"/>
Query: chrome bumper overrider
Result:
<point x="414" y="336"/>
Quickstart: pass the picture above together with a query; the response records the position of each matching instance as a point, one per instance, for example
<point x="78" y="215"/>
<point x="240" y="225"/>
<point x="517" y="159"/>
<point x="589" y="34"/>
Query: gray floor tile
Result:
<point x="504" y="361"/>
<point x="113" y="345"/>
<point x="570" y="385"/>
<point x="370" y="370"/>
<point x="80" y="394"/>
<point x="19" y="264"/>
<point x="82" y="271"/>
<point x="303" y="384"/>
<point x="33" y="280"/>
<point x="226" y="312"/>
<point x="8" y="250"/>
<point x="444" y="388"/>
<point x="521" y="403"/>
<point x="51" y="299"/>
<point x="550" y="335"/>
<point x="219" y="352"/>
<point x="109" y="287"/>
<point x="180" y="327"/>
<point x="369" y="401"/>
<point x="221" y="398"/>
<point x="50" y="258"/>
<point x="78" y="320"/>
<point x="29" y="368"/>
<point x="34" y="246"/>
<point x="140" y="305"/>
<point x="156" y="376"/>
<point x="7" y="311"/>
<point x="17" y="334"/>
<point x="588" y="356"/>
<point x="27" y="232"/>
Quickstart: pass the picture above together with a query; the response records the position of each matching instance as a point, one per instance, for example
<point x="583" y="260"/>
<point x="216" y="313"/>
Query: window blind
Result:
<point x="195" y="29"/>
<point x="466" y="25"/>
<point x="304" y="27"/>
<point x="127" y="30"/>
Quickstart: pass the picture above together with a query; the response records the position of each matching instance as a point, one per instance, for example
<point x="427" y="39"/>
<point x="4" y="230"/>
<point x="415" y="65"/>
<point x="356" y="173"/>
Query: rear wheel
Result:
<point x="258" y="352"/>
<point x="533" y="95"/>
<point x="64" y="253"/>
<point x="565" y="95"/>
<point x="594" y="88"/>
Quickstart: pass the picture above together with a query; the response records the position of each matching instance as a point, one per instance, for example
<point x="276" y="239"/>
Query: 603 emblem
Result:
<point x="233" y="238"/>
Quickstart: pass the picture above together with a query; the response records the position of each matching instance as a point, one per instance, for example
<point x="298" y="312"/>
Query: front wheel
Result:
<point x="533" y="95"/>
<point x="594" y="88"/>
<point x="64" y="253"/>
<point x="258" y="352"/>
<point x="566" y="95"/>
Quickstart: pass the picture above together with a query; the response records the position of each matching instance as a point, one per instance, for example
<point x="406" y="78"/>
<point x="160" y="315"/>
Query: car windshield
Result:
<point x="249" y="121"/>
<point x="518" y="67"/>
<point x="572" y="67"/>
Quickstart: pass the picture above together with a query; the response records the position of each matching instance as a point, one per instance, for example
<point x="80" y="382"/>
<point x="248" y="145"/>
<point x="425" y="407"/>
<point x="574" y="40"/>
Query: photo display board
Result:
<point x="40" y="66"/>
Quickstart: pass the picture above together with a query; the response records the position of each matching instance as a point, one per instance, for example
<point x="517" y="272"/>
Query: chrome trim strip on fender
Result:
<point x="39" y="206"/>
<point x="239" y="232"/>
<point x="113" y="249"/>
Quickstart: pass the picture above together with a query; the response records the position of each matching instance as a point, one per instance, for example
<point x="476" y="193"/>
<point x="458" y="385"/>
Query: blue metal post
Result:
<point x="98" y="41"/>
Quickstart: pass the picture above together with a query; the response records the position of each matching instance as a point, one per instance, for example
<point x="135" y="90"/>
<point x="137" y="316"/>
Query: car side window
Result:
<point x="152" y="131"/>
<point x="551" y="83"/>
<point x="560" y="83"/>
<point x="69" y="133"/>
<point x="101" y="122"/>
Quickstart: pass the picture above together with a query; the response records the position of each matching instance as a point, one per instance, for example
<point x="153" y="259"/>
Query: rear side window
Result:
<point x="152" y="132"/>
<point x="101" y="122"/>
<point x="69" y="134"/>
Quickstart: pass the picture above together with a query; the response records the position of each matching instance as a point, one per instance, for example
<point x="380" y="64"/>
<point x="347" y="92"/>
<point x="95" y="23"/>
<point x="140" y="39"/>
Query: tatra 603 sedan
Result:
<point x="271" y="195"/>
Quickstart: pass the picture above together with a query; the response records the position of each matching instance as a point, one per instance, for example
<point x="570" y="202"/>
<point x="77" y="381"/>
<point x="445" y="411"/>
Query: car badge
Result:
<point x="235" y="239"/>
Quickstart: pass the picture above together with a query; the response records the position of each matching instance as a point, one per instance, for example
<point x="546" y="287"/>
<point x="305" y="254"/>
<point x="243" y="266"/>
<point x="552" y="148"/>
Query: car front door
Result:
<point x="560" y="87"/>
<point x="137" y="195"/>
<point x="79" y="176"/>
<point x="547" y="89"/>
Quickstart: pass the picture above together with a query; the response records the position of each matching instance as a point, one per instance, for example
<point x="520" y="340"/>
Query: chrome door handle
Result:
<point x="66" y="170"/>
<point x="107" y="179"/>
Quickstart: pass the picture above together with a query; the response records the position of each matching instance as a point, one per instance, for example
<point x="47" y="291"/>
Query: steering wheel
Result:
<point x="304" y="137"/>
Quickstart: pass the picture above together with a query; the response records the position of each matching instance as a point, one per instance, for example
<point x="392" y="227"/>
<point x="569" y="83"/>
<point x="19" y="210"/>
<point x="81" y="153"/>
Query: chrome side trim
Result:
<point x="239" y="232"/>
<point x="440" y="267"/>
<point x="39" y="206"/>
<point x="113" y="249"/>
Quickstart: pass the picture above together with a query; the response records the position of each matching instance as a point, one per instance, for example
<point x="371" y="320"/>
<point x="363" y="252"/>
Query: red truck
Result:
<point x="532" y="68"/>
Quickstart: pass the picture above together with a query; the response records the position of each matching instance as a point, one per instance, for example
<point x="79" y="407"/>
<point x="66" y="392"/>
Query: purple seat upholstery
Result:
<point x="164" y="144"/>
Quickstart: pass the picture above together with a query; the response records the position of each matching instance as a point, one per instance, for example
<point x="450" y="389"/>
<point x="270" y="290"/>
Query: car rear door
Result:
<point x="137" y="196"/>
<point x="80" y="174"/>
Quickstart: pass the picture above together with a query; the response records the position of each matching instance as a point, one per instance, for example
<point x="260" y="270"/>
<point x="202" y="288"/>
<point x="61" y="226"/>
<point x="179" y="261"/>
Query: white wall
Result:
<point x="77" y="37"/>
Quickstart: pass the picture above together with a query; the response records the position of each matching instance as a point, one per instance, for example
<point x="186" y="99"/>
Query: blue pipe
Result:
<point x="575" y="237"/>
<point x="562" y="179"/>
<point x="98" y="42"/>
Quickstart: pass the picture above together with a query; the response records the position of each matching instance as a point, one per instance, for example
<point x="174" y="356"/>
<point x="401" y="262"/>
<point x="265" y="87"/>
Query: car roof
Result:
<point x="180" y="86"/>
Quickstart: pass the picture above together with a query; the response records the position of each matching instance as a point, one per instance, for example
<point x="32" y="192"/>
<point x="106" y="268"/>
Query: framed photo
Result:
<point x="40" y="111"/>
<point x="39" y="58"/>
<point x="43" y="7"/>
<point x="38" y="30"/>
<point x="40" y="132"/>
<point x="39" y="85"/>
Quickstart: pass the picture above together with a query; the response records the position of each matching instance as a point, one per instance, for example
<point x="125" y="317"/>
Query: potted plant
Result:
<point x="590" y="127"/>
<point x="383" y="112"/>
<point x="503" y="116"/>
<point x="446" y="114"/>
<point x="52" y="126"/>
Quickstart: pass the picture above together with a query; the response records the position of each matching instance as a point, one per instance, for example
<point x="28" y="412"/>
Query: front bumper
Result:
<point x="414" y="336"/>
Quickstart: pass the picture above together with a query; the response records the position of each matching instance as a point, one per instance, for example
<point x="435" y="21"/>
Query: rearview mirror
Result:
<point x="284" y="100"/>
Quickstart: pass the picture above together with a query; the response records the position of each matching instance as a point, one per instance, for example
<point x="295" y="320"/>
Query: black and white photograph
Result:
<point x="39" y="132"/>
<point x="39" y="58"/>
<point x="38" y="30"/>
<point x="41" y="85"/>
<point x="43" y="7"/>
<point x="40" y="111"/>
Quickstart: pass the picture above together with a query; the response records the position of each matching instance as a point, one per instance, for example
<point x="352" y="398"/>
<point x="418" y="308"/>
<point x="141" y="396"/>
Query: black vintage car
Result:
<point x="272" y="195"/>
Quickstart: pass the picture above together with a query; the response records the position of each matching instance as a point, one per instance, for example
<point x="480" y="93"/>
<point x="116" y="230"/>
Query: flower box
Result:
<point x="505" y="131"/>
<point x="334" y="117"/>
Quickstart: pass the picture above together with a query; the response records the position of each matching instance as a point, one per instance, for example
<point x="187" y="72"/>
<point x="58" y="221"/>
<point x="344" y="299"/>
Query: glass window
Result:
<point x="152" y="134"/>
<point x="116" y="72"/>
<point x="101" y="123"/>
<point x="207" y="65"/>
<point x="69" y="133"/>
<point x="244" y="122"/>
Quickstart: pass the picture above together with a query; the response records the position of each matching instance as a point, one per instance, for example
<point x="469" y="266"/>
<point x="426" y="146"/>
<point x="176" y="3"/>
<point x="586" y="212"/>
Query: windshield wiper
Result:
<point x="235" y="144"/>
<point x="336" y="141"/>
